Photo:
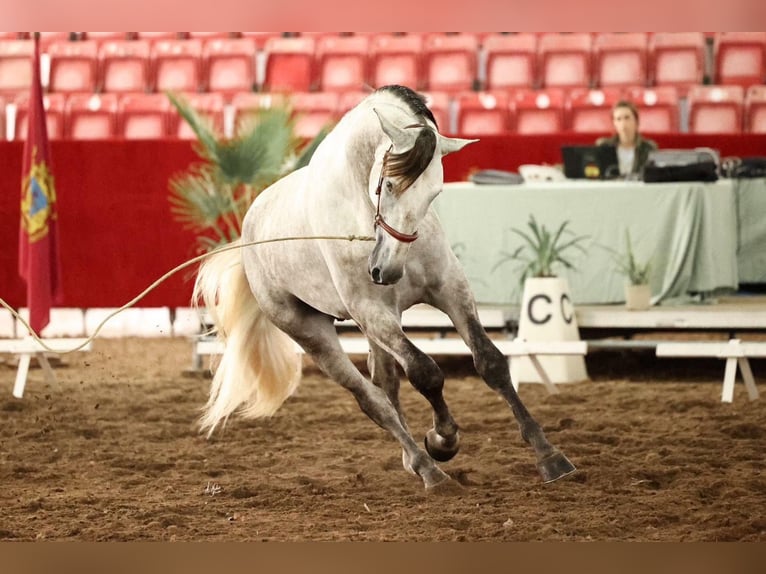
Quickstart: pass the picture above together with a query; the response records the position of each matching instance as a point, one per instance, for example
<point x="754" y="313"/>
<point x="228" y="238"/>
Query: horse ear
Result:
<point x="454" y="144"/>
<point x="401" y="138"/>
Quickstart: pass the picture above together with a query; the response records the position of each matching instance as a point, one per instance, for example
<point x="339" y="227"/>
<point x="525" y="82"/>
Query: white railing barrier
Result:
<point x="734" y="351"/>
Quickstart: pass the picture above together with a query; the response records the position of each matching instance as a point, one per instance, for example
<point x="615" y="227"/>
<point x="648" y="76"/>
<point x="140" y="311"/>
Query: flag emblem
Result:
<point x="38" y="200"/>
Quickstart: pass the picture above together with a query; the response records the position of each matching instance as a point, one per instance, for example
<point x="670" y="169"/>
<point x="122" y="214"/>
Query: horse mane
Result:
<point x="415" y="101"/>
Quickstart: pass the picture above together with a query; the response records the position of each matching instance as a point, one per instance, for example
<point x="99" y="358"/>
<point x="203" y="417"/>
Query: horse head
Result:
<point x="411" y="176"/>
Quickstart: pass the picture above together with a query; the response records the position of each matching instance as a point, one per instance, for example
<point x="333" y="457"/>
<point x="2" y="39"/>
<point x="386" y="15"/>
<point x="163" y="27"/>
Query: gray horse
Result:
<point x="380" y="168"/>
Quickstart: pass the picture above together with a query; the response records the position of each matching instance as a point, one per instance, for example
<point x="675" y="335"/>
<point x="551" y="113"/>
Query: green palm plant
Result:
<point x="542" y="249"/>
<point x="212" y="197"/>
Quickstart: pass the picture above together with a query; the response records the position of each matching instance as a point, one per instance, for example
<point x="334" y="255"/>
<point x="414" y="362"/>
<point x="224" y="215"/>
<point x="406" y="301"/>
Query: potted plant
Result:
<point x="546" y="312"/>
<point x="638" y="293"/>
<point x="542" y="250"/>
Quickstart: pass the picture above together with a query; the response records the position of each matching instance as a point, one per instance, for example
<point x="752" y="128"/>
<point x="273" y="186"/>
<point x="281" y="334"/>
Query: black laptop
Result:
<point x="590" y="161"/>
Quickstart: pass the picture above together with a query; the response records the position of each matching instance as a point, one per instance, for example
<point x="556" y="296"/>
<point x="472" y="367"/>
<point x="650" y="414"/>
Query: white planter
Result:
<point x="547" y="314"/>
<point x="638" y="297"/>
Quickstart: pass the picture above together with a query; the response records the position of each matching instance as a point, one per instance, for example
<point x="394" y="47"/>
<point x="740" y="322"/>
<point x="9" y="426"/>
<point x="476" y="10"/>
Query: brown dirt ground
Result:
<point x="112" y="453"/>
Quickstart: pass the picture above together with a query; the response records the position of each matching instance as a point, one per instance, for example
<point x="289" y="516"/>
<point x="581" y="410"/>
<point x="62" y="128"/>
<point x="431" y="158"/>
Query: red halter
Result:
<point x="379" y="221"/>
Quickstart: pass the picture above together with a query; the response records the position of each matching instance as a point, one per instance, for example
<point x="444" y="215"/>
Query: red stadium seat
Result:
<point x="247" y="104"/>
<point x="439" y="104"/>
<point x="289" y="64"/>
<point x="260" y="38"/>
<point x="153" y="37"/>
<point x="482" y="113"/>
<point x="590" y="111"/>
<point x="565" y="60"/>
<point x="620" y="59"/>
<point x="73" y="66"/>
<point x="755" y="110"/>
<point x="395" y="60"/>
<point x="143" y="116"/>
<point x="176" y="65"/>
<point x="349" y="100"/>
<point x="715" y="109"/>
<point x="658" y="108"/>
<point x="539" y="111"/>
<point x="314" y="111"/>
<point x="341" y="63"/>
<point x="209" y="36"/>
<point x="511" y="61"/>
<point x="54" y="105"/>
<point x="124" y="66"/>
<point x="740" y="58"/>
<point x="2" y="118"/>
<point x="48" y="38"/>
<point x="16" y="66"/>
<point x="91" y="116"/>
<point x="676" y="59"/>
<point x="450" y="62"/>
<point x="229" y="65"/>
<point x="101" y="37"/>
<point x="210" y="106"/>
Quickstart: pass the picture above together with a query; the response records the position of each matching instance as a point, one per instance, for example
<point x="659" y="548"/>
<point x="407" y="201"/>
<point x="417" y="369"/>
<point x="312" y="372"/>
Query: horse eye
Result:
<point x="389" y="186"/>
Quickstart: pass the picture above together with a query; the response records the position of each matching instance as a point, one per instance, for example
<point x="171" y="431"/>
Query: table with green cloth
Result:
<point x="751" y="227"/>
<point x="688" y="230"/>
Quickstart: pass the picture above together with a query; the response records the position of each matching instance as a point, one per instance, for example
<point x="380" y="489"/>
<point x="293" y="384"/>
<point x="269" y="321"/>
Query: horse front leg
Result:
<point x="317" y="335"/>
<point x="385" y="334"/>
<point x="492" y="366"/>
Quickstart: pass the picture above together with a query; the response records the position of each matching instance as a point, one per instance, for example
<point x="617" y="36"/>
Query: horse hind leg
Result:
<point x="492" y="366"/>
<point x="384" y="373"/>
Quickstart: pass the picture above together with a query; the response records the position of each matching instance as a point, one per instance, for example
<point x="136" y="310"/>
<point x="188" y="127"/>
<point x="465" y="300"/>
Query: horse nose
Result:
<point x="375" y="274"/>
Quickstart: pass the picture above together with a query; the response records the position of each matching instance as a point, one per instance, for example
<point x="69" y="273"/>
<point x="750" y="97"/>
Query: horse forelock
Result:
<point x="408" y="166"/>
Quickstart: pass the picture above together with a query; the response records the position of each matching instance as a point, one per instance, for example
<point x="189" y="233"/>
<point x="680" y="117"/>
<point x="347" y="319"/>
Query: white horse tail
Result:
<point x="260" y="367"/>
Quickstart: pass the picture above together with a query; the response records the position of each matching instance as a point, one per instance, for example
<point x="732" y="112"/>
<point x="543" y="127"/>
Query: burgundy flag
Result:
<point x="38" y="237"/>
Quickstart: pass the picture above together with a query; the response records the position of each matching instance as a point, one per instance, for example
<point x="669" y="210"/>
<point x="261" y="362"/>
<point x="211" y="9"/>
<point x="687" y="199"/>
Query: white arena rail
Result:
<point x="26" y="348"/>
<point x="357" y="345"/>
<point x="736" y="354"/>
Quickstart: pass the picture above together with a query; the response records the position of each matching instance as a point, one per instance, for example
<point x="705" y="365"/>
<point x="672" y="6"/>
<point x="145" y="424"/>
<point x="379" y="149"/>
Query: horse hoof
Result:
<point x="554" y="467"/>
<point x="440" y="448"/>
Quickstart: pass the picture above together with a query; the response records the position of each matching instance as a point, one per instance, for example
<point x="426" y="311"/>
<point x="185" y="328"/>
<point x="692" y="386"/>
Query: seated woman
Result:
<point x="632" y="149"/>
